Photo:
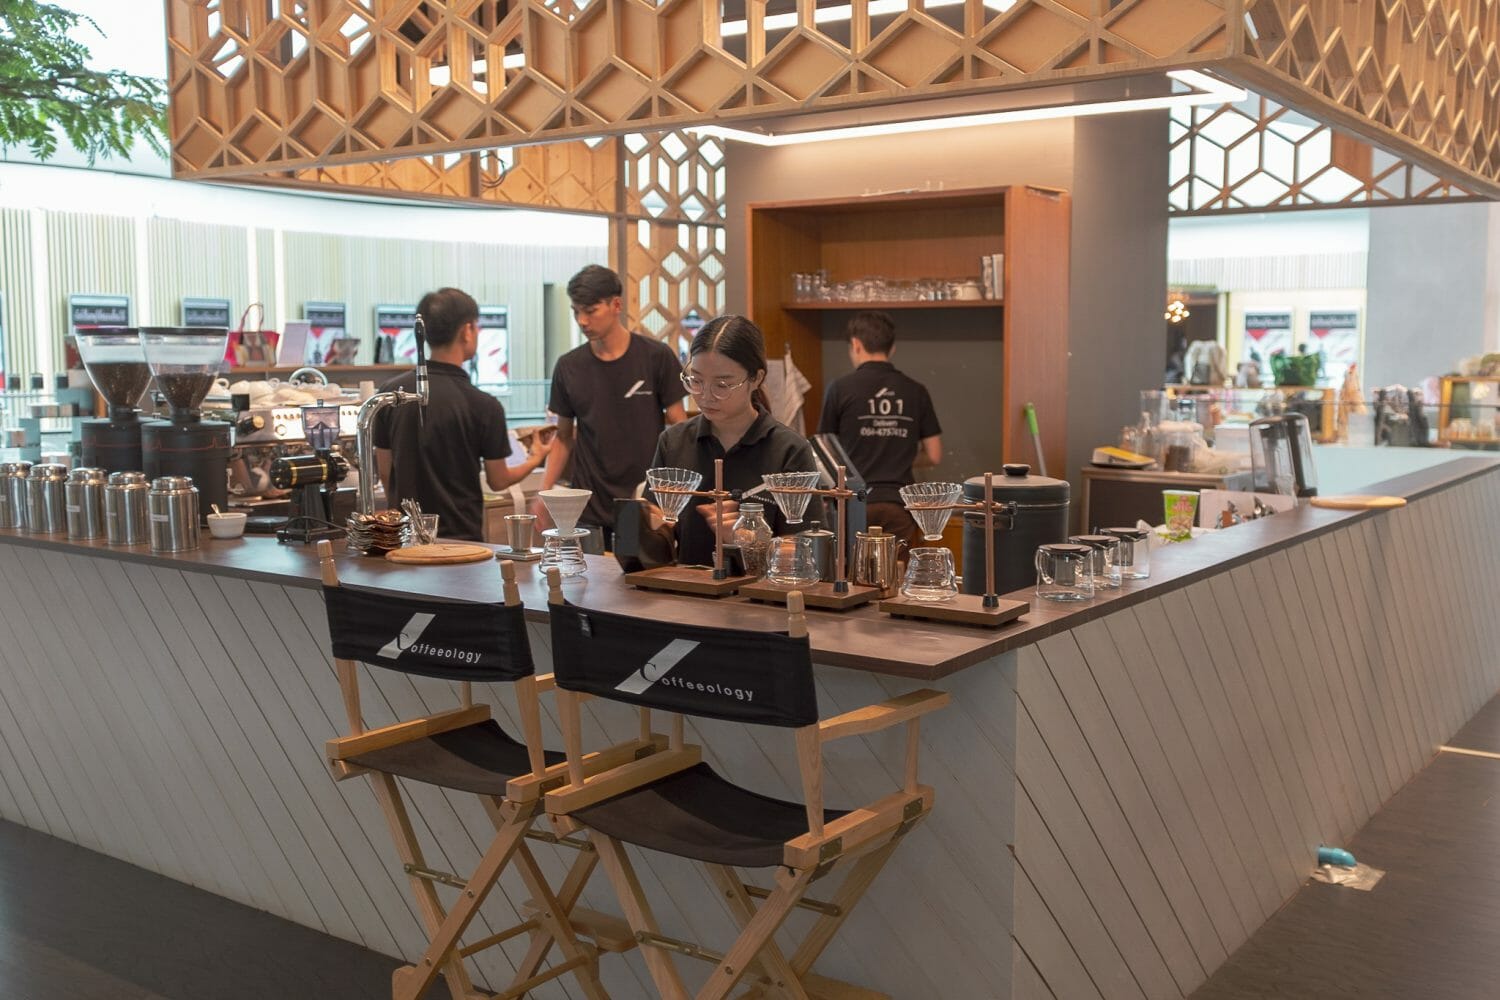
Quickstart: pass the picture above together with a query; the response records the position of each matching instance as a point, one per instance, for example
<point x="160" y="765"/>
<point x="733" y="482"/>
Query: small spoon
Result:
<point x="215" y="508"/>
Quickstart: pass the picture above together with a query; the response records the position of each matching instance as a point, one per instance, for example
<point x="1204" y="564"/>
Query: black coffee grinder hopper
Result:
<point x="116" y="363"/>
<point x="314" y="479"/>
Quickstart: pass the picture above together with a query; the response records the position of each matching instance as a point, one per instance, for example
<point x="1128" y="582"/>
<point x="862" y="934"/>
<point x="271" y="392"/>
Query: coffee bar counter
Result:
<point x="1126" y="788"/>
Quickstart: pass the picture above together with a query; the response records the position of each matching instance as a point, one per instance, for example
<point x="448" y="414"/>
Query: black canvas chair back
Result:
<point x="674" y="803"/>
<point x="450" y="640"/>
<point x="731" y="674"/>
<point x="462" y="749"/>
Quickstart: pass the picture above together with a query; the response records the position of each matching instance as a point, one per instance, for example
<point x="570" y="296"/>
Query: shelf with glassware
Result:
<point x="1469" y="411"/>
<point x="1005" y="342"/>
<point x="1322" y="400"/>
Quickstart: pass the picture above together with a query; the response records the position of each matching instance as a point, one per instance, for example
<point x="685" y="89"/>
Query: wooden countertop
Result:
<point x="863" y="639"/>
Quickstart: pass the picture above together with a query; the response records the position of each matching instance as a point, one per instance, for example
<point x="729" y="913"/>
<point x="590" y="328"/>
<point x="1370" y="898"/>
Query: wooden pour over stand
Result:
<point x="836" y="594"/>
<point x="695" y="580"/>
<point x="966" y="609"/>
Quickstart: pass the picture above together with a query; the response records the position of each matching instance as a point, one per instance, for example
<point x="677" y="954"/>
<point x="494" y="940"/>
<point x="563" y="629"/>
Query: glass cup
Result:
<point x="1181" y="508"/>
<point x="1104" y="567"/>
<point x="1133" y="558"/>
<point x="790" y="561"/>
<point x="1062" y="572"/>
<point x="929" y="575"/>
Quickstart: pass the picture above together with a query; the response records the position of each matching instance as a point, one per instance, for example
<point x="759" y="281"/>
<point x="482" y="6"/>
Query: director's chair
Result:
<point x="675" y="803"/>
<point x="465" y="750"/>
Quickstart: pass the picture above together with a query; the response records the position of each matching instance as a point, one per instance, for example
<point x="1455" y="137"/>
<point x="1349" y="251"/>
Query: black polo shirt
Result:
<point x="768" y="446"/>
<point x="616" y="408"/>
<point x="436" y="454"/>
<point x="880" y="417"/>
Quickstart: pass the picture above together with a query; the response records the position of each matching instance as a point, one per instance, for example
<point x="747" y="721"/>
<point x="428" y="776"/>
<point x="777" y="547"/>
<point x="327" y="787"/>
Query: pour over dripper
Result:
<point x="793" y="504"/>
<point x="939" y="495"/>
<point x="565" y="507"/>
<point x="672" y="504"/>
<point x="185" y="361"/>
<point x="116" y="362"/>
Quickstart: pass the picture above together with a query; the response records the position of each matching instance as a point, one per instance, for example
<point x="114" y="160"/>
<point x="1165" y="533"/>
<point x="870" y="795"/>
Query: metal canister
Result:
<point x="126" y="516"/>
<point x="173" y="505"/>
<point x="1034" y="512"/>
<point x="45" y="500"/>
<point x="822" y="549"/>
<point x="84" y="500"/>
<point x="13" y="494"/>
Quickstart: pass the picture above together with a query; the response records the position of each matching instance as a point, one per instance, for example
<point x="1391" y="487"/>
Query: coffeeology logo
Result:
<point x="407" y="641"/>
<point x="659" y="666"/>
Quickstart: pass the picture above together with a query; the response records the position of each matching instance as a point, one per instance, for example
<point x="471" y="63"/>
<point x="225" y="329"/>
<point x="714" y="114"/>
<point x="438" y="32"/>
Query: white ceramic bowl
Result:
<point x="230" y="525"/>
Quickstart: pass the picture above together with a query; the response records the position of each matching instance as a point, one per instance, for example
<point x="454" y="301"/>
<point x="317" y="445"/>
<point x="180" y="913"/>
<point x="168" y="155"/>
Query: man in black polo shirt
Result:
<point x="612" y="396"/>
<point x="884" y="419"/>
<point x="433" y="453"/>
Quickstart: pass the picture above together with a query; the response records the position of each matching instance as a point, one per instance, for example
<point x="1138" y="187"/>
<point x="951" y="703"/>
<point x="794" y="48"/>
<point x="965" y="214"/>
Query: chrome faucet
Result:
<point x="365" y="443"/>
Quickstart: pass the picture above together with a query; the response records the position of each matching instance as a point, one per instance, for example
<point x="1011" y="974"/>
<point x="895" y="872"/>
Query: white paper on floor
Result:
<point x="1359" y="877"/>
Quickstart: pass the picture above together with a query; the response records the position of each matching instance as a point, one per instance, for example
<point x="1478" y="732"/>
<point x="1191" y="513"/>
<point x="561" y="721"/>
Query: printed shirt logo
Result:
<point x="657" y="667"/>
<point x="639" y="389"/>
<point x="410" y="633"/>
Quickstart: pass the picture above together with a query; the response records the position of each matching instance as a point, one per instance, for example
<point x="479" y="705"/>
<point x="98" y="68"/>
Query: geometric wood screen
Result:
<point x="1258" y="156"/>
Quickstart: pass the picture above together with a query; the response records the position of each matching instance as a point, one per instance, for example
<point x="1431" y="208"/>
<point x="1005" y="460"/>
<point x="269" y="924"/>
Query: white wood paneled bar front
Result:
<point x="1125" y="791"/>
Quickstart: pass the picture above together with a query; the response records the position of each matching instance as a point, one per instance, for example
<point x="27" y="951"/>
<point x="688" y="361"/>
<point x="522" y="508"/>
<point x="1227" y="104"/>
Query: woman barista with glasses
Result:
<point x="725" y="372"/>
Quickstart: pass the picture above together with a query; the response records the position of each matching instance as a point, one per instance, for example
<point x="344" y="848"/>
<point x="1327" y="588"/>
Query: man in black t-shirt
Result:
<point x="885" y="421"/>
<point x="612" y="396"/>
<point x="433" y="453"/>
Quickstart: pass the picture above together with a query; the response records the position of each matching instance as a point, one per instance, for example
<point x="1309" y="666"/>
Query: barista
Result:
<point x="433" y="453"/>
<point x="725" y="375"/>
<point x="885" y="421"/>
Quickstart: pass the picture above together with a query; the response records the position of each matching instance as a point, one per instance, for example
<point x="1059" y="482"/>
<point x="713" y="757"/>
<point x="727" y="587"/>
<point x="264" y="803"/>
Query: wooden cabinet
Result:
<point x="981" y="360"/>
<point x="1469" y="411"/>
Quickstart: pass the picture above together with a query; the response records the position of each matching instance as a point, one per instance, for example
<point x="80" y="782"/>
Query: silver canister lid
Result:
<point x="14" y="470"/>
<point x="87" y="475"/>
<point x="172" y="484"/>
<point x="46" y="471"/>
<point x="123" y="480"/>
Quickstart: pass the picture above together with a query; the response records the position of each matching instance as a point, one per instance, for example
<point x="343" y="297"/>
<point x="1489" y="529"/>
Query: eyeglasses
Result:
<point x="717" y="389"/>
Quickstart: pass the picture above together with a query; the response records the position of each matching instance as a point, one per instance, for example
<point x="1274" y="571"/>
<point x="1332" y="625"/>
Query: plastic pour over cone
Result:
<point x="565" y="505"/>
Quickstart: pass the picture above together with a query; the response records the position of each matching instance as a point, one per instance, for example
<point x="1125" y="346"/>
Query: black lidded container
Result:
<point x="1039" y="517"/>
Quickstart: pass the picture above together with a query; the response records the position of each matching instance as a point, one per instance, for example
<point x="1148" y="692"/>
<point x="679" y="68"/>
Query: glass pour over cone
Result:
<point x="932" y="522"/>
<point x="792" y="505"/>
<point x="116" y="362"/>
<point x="565" y="506"/>
<point x="671" y="504"/>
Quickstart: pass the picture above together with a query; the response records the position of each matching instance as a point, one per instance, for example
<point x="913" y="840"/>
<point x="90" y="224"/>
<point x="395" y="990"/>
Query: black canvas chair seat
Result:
<point x="480" y="759"/>
<point x="697" y="814"/>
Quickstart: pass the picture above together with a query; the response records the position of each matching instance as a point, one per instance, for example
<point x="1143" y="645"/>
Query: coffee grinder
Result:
<point x="185" y="361"/>
<point x="116" y="363"/>
<point x="313" y="478"/>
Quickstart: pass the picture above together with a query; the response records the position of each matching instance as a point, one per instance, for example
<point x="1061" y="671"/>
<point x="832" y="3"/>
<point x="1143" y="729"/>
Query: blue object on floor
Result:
<point x="1335" y="856"/>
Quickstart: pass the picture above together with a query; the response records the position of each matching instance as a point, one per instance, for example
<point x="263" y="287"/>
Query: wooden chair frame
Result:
<point x="554" y="918"/>
<point x="858" y="844"/>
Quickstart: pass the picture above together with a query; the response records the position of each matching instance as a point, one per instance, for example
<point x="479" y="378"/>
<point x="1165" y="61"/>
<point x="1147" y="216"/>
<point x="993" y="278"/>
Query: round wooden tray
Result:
<point x="439" y="554"/>
<point x="1358" y="501"/>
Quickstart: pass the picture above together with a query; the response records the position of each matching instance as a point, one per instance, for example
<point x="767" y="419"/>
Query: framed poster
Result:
<point x="205" y="312"/>
<point x="395" y="337"/>
<point x="85" y="311"/>
<point x="1267" y="333"/>
<point x="326" y="322"/>
<point x="490" y="365"/>
<point x="1336" y="333"/>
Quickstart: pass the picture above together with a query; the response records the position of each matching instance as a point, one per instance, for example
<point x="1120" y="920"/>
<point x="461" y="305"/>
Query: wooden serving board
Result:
<point x="964" y="609"/>
<point x="1358" y="501"/>
<point x="439" y="554"/>
<point x="814" y="595"/>
<point x="683" y="580"/>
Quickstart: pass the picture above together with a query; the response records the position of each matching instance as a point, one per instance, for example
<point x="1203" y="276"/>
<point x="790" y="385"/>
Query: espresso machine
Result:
<point x="116" y="363"/>
<point x="185" y="362"/>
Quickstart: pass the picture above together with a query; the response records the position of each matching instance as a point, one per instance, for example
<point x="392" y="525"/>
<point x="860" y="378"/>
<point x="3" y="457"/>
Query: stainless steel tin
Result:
<point x="13" y="494"/>
<point x="127" y="518"/>
<point x="822" y="549"/>
<point x="45" y="500"/>
<point x="173" y="504"/>
<point x="875" y="560"/>
<point x="83" y="494"/>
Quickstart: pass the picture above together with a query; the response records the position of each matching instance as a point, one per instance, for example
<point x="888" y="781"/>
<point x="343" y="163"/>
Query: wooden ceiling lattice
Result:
<point x="1259" y="156"/>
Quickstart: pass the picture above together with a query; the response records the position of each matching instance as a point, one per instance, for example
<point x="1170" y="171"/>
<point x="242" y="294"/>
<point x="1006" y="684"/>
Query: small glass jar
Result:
<point x="753" y="535"/>
<point x="1104" y="567"/>
<point x="1062" y="572"/>
<point x="1134" y="554"/>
